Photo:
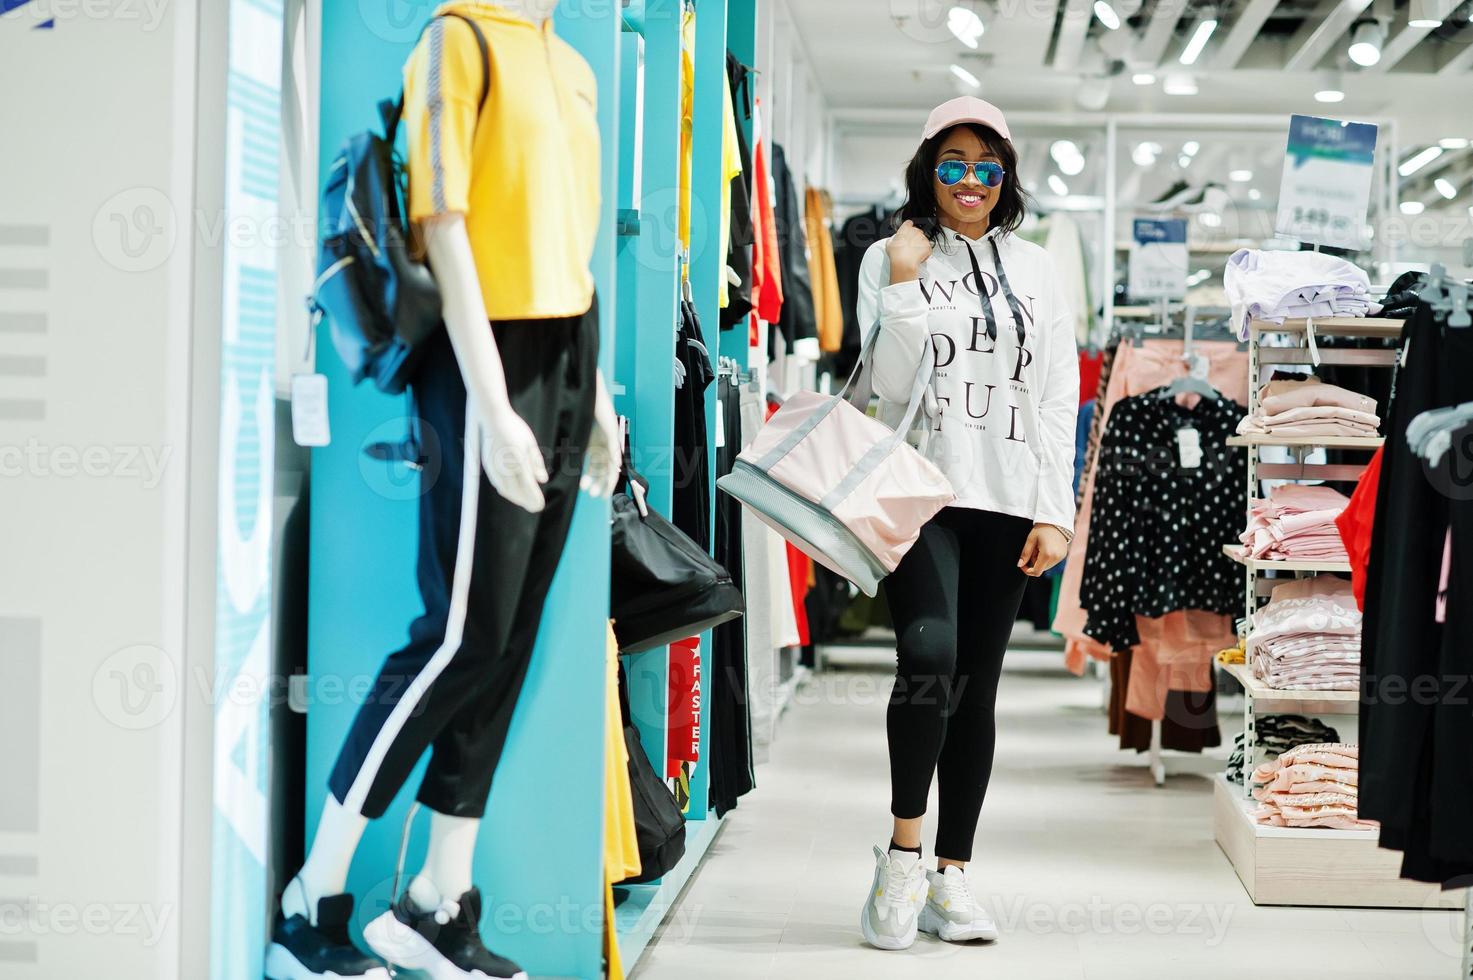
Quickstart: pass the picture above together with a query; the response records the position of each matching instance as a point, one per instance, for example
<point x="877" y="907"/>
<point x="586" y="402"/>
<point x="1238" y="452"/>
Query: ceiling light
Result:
<point x="1254" y="193"/>
<point x="1453" y="143"/>
<point x="1190" y="147"/>
<point x="1145" y="154"/>
<point x="1240" y="176"/>
<point x="1416" y="162"/>
<point x="1057" y="185"/>
<point x="1445" y="188"/>
<point x="1366" y="39"/>
<point x="966" y="77"/>
<point x="1180" y="84"/>
<point x="1210" y="219"/>
<point x="966" y="25"/>
<point x="1331" y="88"/>
<point x="1066" y="154"/>
<point x="1107" y="14"/>
<point x="1143" y="78"/>
<point x="1424" y="14"/>
<point x="1183" y="161"/>
<point x="1198" y="42"/>
<point x="1412" y="207"/>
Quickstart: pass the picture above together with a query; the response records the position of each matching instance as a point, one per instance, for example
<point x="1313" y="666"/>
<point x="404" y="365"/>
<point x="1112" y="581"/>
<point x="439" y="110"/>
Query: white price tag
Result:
<point x="720" y="423"/>
<point x="309" y="410"/>
<point x="1189" y="447"/>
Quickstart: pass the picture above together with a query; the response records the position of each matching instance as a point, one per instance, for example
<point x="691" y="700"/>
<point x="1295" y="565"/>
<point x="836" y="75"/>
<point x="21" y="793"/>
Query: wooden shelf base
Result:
<point x="1323" y="868"/>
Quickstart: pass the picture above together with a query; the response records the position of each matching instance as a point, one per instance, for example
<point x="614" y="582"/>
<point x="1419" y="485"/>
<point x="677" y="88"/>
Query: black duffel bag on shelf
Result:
<point x="659" y="826"/>
<point x="663" y="586"/>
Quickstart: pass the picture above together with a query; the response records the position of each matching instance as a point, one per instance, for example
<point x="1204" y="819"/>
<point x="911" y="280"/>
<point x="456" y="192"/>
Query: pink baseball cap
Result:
<point x="965" y="109"/>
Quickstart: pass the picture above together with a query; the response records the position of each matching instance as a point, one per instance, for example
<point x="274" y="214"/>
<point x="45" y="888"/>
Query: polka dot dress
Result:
<point x="1157" y="530"/>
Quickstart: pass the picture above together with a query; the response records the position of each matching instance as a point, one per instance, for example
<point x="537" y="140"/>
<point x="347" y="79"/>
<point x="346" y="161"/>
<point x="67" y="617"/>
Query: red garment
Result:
<point x="1090" y="366"/>
<point x="683" y="743"/>
<point x="767" y="282"/>
<point x="799" y="565"/>
<point x="1355" y="523"/>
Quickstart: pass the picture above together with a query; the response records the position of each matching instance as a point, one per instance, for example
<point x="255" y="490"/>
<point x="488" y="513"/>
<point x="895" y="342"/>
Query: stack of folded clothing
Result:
<point x="1309" y="407"/>
<point x="1275" y="286"/>
<point x="1278" y="734"/>
<point x="1308" y="636"/>
<point x="1296" y="522"/>
<point x="1314" y="785"/>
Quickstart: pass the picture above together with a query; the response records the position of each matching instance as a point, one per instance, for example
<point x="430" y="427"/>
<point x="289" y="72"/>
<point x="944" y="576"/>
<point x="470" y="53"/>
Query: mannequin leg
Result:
<point x="447" y="868"/>
<point x="326" y="870"/>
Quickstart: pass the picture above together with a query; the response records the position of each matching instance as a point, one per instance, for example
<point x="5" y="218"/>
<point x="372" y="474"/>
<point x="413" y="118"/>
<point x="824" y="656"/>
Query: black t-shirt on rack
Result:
<point x="1157" y="528"/>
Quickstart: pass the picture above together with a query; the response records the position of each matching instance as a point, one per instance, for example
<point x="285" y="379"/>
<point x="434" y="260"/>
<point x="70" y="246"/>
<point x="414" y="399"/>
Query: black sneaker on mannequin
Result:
<point x="302" y="951"/>
<point x="444" y="942"/>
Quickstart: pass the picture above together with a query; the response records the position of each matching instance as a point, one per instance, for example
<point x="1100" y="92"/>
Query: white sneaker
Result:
<point x="891" y="911"/>
<point x="951" y="911"/>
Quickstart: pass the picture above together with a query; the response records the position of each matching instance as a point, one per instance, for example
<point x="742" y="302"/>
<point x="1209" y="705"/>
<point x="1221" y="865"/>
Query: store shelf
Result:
<point x="641" y="913"/>
<point x="1335" y="326"/>
<point x="1295" y="442"/>
<point x="1237" y="553"/>
<point x="1201" y="248"/>
<point x="1325" y="702"/>
<point x="1314" y="866"/>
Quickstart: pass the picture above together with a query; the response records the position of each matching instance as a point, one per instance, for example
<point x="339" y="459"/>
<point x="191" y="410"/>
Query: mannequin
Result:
<point x="526" y="391"/>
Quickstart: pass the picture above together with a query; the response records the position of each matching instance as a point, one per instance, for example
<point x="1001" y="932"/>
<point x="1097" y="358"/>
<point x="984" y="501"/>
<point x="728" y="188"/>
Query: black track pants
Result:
<point x="953" y="600"/>
<point x="485" y="566"/>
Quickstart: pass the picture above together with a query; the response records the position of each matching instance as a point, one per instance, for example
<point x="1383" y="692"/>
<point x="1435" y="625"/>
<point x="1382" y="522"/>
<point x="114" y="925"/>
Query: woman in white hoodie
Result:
<point x="955" y="288"/>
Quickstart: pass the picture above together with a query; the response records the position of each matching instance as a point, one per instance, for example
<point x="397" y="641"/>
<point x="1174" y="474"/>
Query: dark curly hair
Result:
<point x="920" y="204"/>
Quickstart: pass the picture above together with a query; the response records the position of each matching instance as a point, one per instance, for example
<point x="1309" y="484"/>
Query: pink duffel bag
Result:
<point x="844" y="488"/>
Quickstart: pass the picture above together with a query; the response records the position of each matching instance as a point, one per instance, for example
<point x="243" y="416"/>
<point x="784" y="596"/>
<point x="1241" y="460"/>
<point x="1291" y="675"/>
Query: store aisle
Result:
<point x="1091" y="873"/>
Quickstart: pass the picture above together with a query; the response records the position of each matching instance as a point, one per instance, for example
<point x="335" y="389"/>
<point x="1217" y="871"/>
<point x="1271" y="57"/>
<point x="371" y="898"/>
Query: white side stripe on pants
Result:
<point x="454" y="626"/>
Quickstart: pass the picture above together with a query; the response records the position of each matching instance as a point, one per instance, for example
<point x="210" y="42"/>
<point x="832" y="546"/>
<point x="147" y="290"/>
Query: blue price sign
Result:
<point x="1326" y="188"/>
<point x="1158" y="258"/>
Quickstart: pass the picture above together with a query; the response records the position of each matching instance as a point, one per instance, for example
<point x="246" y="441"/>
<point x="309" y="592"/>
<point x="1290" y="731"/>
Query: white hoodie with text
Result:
<point x="1000" y="415"/>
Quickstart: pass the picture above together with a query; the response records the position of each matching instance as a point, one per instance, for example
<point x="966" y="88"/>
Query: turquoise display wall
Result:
<point x="539" y="860"/>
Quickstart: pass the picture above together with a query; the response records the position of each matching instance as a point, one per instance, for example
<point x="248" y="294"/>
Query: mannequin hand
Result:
<point x="907" y="249"/>
<point x="512" y="459"/>
<point x="601" y="462"/>
<point x="1046" y="547"/>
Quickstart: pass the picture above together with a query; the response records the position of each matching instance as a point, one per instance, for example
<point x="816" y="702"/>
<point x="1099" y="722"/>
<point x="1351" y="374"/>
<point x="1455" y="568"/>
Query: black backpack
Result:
<point x="383" y="303"/>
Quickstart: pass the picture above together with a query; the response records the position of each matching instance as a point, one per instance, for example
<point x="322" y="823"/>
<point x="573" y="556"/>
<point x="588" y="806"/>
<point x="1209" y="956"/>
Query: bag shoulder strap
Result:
<point x="392" y="112"/>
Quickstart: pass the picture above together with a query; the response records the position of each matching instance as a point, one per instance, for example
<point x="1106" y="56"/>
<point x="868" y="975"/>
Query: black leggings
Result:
<point x="953" y="600"/>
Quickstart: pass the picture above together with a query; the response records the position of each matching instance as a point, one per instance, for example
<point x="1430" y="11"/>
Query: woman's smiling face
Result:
<point x="969" y="201"/>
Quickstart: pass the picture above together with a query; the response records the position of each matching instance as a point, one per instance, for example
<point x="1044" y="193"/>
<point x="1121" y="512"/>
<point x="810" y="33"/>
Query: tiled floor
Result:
<point x="1091" y="872"/>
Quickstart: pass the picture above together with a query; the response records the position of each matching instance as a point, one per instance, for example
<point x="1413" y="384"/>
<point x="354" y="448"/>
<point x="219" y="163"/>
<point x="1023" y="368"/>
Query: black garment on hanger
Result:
<point x="690" y="508"/>
<point x="743" y="234"/>
<point x="726" y="681"/>
<point x="1156" y="528"/>
<point x="1416" y="713"/>
<point x="854" y="239"/>
<point x="798" y="320"/>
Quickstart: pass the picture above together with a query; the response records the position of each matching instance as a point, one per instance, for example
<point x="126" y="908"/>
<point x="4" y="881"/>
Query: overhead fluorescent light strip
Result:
<point x="1199" y="40"/>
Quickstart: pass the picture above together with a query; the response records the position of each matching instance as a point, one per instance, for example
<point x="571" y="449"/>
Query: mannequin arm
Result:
<point x="509" y="452"/>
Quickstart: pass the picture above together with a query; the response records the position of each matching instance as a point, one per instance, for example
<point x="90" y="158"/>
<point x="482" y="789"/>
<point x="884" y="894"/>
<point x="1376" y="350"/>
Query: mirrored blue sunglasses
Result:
<point x="950" y="172"/>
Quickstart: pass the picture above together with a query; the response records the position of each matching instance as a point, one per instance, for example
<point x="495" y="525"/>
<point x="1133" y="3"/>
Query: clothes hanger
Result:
<point x="1430" y="434"/>
<point x="1447" y="294"/>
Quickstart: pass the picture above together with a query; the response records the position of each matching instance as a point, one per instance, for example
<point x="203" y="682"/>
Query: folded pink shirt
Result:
<point x="1285" y="394"/>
